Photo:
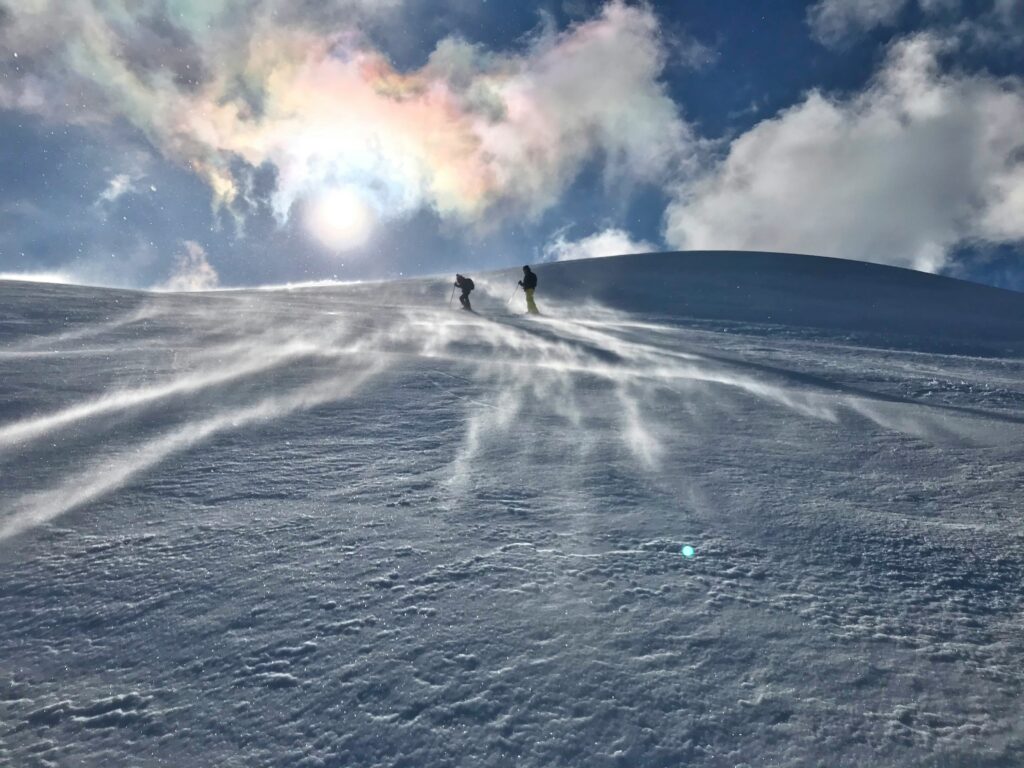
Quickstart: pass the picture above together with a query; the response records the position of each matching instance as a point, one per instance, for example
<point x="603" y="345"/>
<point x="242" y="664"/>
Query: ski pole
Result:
<point x="513" y="295"/>
<point x="451" y="297"/>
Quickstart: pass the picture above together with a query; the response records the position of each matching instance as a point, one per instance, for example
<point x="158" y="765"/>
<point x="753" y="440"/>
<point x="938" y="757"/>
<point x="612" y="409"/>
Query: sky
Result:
<point x="191" y="144"/>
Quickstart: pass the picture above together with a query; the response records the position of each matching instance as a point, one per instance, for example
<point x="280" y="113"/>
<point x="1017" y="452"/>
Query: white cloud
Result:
<point x="992" y="22"/>
<point x="193" y="272"/>
<point x="610" y="242"/>
<point x="119" y="185"/>
<point x="918" y="163"/>
<point x="593" y="91"/>
<point x="1001" y="28"/>
<point x="832" y="21"/>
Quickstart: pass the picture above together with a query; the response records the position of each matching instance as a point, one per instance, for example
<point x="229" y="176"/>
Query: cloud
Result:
<point x="1009" y="10"/>
<point x="192" y="272"/>
<point x="902" y="173"/>
<point x="119" y="185"/>
<point x="229" y="87"/>
<point x="985" y="24"/>
<point x="610" y="242"/>
<point x="833" y="22"/>
<point x="1001" y="27"/>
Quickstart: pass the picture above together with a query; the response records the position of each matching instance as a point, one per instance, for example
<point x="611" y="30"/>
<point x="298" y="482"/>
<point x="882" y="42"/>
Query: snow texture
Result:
<point x="347" y="526"/>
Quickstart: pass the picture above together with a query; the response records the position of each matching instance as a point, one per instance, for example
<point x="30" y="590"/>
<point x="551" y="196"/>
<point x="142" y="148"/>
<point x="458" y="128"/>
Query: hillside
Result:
<point x="346" y="525"/>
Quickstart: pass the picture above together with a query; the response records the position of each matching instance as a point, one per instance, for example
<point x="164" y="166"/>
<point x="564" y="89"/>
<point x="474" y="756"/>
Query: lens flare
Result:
<point x="688" y="551"/>
<point x="340" y="219"/>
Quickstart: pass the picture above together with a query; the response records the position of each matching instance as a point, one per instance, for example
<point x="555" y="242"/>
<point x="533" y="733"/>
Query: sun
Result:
<point x="340" y="219"/>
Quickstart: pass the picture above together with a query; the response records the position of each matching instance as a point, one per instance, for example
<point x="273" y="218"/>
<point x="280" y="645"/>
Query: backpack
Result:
<point x="467" y="284"/>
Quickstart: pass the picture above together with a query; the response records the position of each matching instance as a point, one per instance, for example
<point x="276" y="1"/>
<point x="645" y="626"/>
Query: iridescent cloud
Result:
<point x="231" y="86"/>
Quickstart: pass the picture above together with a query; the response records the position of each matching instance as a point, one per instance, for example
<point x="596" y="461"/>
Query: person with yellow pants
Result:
<point x="529" y="283"/>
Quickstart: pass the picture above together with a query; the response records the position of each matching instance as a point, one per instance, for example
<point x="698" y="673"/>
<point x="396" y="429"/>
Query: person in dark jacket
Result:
<point x="529" y="283"/>
<point x="464" y="284"/>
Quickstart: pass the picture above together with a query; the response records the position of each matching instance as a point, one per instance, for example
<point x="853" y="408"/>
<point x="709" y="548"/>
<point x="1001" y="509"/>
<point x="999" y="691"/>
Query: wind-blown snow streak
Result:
<point x="110" y="474"/>
<point x="34" y="428"/>
<point x="45" y="345"/>
<point x="588" y="378"/>
<point x="556" y="363"/>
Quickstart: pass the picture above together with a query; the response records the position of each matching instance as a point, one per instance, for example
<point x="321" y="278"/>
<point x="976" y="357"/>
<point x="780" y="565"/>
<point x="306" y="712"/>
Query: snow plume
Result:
<point x="250" y="358"/>
<point x="900" y="174"/>
<point x="238" y="362"/>
<point x="577" y="380"/>
<point x="192" y="272"/>
<point x="227" y="87"/>
<point x="610" y="242"/>
<point x="39" y="277"/>
<point x="604" y="373"/>
<point x="114" y="472"/>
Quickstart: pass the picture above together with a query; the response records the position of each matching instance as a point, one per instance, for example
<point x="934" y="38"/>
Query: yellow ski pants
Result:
<point x="530" y="306"/>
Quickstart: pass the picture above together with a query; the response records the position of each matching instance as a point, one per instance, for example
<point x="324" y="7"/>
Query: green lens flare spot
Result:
<point x="688" y="551"/>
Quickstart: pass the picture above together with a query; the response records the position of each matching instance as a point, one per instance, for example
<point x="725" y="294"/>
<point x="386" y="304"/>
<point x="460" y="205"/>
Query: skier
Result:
<point x="529" y="283"/>
<point x="465" y="284"/>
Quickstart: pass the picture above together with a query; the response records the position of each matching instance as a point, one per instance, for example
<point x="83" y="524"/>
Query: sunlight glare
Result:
<point x="340" y="219"/>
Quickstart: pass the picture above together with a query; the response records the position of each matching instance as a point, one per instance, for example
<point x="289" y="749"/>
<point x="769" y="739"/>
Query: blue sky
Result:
<point x="189" y="144"/>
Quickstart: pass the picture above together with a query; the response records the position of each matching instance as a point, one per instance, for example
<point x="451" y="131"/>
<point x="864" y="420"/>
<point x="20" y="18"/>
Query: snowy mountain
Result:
<point x="707" y="510"/>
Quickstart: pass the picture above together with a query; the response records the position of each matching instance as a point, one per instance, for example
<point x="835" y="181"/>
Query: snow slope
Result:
<point x="346" y="526"/>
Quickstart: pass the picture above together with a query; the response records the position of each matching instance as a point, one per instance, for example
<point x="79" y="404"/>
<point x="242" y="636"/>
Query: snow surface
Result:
<point x="347" y="526"/>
